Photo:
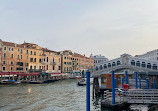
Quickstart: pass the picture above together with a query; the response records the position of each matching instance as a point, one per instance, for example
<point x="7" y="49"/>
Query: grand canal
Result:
<point x="62" y="95"/>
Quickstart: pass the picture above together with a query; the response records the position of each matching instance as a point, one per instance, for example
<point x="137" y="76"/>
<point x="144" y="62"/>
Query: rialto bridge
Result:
<point x="126" y="63"/>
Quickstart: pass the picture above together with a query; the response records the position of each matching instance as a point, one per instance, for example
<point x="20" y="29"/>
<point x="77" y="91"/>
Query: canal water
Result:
<point x="62" y="95"/>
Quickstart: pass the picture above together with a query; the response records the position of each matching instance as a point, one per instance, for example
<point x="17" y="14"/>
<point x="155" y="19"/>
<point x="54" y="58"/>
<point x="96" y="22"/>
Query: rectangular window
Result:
<point x="11" y="68"/>
<point x="27" y="64"/>
<point x="35" y="60"/>
<point x="34" y="53"/>
<point x="11" y="56"/>
<point x="27" y="57"/>
<point x="18" y="57"/>
<point x="40" y="60"/>
<point x="9" y="48"/>
<point x="11" y="62"/>
<point x="27" y="51"/>
<point x="12" y="49"/>
<point x="31" y="59"/>
<point x="5" y="48"/>
<point x="20" y="63"/>
<point x="4" y="62"/>
<point x="21" y="56"/>
<point x="3" y="68"/>
<point x="21" y="51"/>
<point x="4" y="55"/>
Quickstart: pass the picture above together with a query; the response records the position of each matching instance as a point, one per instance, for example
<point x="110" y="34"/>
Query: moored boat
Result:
<point x="35" y="82"/>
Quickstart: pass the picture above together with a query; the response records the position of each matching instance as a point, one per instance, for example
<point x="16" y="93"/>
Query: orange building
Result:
<point x="14" y="57"/>
<point x="83" y="62"/>
<point x="29" y="57"/>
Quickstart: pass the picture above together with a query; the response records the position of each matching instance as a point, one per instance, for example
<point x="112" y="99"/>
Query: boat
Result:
<point x="9" y="82"/>
<point x="82" y="81"/>
<point x="35" y="82"/>
<point x="17" y="82"/>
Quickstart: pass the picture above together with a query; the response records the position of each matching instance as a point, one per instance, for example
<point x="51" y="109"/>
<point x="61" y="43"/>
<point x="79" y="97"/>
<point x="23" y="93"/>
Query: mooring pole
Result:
<point x="115" y="85"/>
<point x="88" y="90"/>
<point x="139" y="82"/>
<point x="122" y="81"/>
<point x="154" y="85"/>
<point x="113" y="88"/>
<point x="126" y="77"/>
<point x="147" y="83"/>
<point x="136" y="80"/>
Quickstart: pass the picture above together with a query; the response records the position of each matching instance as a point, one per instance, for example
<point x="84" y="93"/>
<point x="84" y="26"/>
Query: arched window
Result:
<point x="47" y="67"/>
<point x="109" y="65"/>
<point x="143" y="64"/>
<point x="47" y="59"/>
<point x="149" y="65"/>
<point x="155" y="66"/>
<point x="35" y="60"/>
<point x="30" y="67"/>
<point x="101" y="67"/>
<point x="113" y="64"/>
<point x="105" y="66"/>
<point x="138" y="63"/>
<point x="96" y="68"/>
<point x="133" y="62"/>
<point x="31" y="53"/>
<point x="118" y="63"/>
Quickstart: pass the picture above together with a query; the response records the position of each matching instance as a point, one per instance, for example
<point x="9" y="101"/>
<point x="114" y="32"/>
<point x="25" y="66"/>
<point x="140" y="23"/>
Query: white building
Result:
<point x="151" y="55"/>
<point x="99" y="59"/>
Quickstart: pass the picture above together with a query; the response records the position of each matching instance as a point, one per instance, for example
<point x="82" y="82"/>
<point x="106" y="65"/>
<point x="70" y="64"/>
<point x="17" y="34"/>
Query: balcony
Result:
<point x="52" y="63"/>
<point x="43" y="62"/>
<point x="42" y="55"/>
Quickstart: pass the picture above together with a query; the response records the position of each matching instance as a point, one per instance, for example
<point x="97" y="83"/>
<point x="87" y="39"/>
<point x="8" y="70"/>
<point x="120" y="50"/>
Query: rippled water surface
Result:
<point x="62" y="95"/>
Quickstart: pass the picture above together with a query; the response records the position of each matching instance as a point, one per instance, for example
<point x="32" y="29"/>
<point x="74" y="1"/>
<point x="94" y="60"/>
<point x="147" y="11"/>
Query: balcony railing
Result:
<point x="52" y="63"/>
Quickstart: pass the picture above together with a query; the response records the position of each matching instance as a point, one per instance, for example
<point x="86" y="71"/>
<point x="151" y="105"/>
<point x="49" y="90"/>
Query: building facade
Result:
<point x="52" y="61"/>
<point x="151" y="55"/>
<point x="99" y="59"/>
<point x="83" y="62"/>
<point x="29" y="57"/>
<point x="66" y="61"/>
<point x="14" y="57"/>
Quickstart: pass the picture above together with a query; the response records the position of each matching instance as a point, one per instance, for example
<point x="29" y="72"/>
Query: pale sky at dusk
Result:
<point x="107" y="27"/>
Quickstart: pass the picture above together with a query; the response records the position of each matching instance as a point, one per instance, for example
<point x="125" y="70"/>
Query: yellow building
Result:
<point x="66" y="61"/>
<point x="52" y="61"/>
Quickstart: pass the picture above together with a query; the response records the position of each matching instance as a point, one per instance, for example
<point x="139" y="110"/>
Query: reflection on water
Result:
<point x="58" y="96"/>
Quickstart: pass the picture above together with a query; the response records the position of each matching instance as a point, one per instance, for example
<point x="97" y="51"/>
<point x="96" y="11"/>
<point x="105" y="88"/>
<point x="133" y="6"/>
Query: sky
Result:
<point x="106" y="27"/>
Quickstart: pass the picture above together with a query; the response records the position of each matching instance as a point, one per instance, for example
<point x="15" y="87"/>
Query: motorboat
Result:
<point x="82" y="81"/>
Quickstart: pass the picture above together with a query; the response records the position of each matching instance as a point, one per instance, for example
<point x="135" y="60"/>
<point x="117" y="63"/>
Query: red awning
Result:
<point x="20" y="73"/>
<point x="29" y="74"/>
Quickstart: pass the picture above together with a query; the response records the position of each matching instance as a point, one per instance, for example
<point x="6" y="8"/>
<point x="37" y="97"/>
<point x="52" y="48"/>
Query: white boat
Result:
<point x="82" y="81"/>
